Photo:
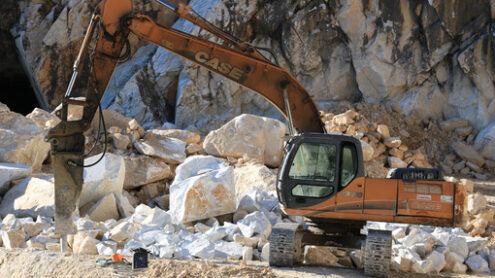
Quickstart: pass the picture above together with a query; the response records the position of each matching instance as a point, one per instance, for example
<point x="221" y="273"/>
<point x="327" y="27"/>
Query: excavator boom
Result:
<point x="111" y="23"/>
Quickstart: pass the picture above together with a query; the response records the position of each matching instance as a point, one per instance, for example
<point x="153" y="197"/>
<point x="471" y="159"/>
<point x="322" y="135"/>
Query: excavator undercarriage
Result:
<point x="287" y="242"/>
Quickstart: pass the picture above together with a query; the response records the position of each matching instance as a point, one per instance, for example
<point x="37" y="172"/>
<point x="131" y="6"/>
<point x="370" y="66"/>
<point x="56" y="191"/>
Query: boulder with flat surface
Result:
<point x="458" y="245"/>
<point x="258" y="138"/>
<point x="21" y="140"/>
<point x="30" y="197"/>
<point x="168" y="149"/>
<point x="203" y="187"/>
<point x="103" y="178"/>
<point x="143" y="170"/>
<point x="104" y="209"/>
<point x="187" y="136"/>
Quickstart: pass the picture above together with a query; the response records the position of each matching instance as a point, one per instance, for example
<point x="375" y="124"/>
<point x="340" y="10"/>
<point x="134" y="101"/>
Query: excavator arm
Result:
<point x="111" y="23"/>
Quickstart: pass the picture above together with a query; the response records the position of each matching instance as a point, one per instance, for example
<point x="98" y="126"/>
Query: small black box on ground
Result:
<point x="139" y="258"/>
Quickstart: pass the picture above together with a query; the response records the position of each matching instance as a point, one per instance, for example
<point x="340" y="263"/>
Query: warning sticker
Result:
<point x="446" y="199"/>
<point x="423" y="197"/>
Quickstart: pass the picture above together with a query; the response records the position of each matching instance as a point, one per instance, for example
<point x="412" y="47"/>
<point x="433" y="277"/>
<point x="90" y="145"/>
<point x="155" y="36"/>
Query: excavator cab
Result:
<point x="315" y="167"/>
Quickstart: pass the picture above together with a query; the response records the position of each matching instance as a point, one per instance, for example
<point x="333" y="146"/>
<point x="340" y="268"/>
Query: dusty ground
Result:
<point x="24" y="263"/>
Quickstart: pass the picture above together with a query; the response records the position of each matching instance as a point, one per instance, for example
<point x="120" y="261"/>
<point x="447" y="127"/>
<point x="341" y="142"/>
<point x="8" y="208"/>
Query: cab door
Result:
<point x="351" y="189"/>
<point x="310" y="173"/>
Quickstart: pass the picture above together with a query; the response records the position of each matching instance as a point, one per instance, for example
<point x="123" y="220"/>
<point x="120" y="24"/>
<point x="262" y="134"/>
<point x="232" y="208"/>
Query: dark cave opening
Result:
<point x="17" y="93"/>
<point x="15" y="89"/>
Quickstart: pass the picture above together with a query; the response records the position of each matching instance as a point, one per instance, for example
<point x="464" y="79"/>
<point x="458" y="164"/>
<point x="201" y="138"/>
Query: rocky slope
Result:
<point x="185" y="196"/>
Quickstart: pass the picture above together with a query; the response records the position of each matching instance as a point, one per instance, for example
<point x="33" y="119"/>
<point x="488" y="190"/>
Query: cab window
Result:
<point x="316" y="191"/>
<point x="314" y="162"/>
<point x="349" y="165"/>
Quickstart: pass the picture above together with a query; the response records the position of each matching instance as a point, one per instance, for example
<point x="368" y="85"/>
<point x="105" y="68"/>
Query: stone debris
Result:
<point x="255" y="223"/>
<point x="320" y="255"/>
<point x="187" y="136"/>
<point x="40" y="241"/>
<point x="155" y="190"/>
<point x="357" y="258"/>
<point x="368" y="151"/>
<point x="84" y="244"/>
<point x="453" y="123"/>
<point x="476" y="202"/>
<point x="458" y="245"/>
<point x="193" y="148"/>
<point x="395" y="162"/>
<point x="477" y="264"/>
<point x="13" y="238"/>
<point x="120" y="141"/>
<point x="469" y="153"/>
<point x="424" y="266"/>
<point x="121" y="232"/>
<point x="438" y="260"/>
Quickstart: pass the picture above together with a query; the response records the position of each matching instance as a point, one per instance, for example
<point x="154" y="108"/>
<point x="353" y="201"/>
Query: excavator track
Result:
<point x="286" y="244"/>
<point x="377" y="253"/>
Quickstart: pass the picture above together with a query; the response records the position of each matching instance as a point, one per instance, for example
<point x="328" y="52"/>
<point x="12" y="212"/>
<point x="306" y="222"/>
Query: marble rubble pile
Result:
<point x="181" y="196"/>
<point x="451" y="145"/>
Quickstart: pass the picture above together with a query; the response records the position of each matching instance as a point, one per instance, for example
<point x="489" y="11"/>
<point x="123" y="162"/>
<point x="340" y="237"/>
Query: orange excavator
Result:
<point x="321" y="176"/>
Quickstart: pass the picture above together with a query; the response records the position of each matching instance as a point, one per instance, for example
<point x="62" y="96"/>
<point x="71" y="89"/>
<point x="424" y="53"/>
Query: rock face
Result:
<point x="21" y="140"/>
<point x="257" y="138"/>
<point x="203" y="187"/>
<point x="426" y="56"/>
